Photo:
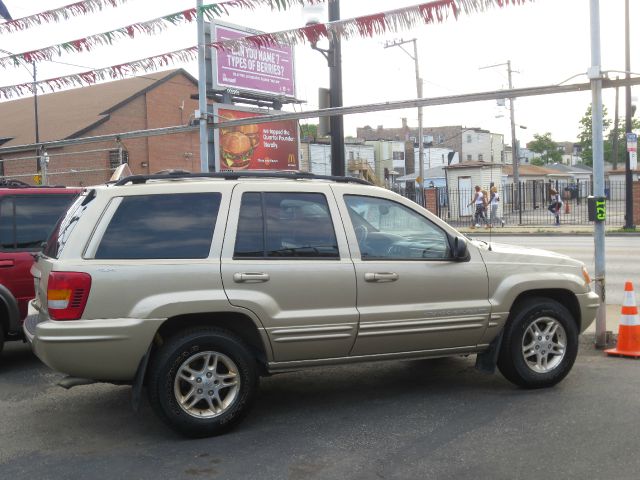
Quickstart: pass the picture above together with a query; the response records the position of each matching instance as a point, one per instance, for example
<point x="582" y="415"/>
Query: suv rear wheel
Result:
<point x="540" y="344"/>
<point x="202" y="382"/>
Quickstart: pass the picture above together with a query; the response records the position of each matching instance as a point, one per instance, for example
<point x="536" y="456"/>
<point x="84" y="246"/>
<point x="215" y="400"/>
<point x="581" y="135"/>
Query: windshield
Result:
<point x="60" y="234"/>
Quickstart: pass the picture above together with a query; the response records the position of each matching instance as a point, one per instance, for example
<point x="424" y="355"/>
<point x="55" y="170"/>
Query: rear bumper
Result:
<point x="105" y="349"/>
<point x="589" y="303"/>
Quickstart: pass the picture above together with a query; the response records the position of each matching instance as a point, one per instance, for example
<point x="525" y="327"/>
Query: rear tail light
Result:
<point x="67" y="294"/>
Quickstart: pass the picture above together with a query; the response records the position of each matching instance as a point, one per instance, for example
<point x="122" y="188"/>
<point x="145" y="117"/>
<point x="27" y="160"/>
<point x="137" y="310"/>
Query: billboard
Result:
<point x="260" y="146"/>
<point x="265" y="70"/>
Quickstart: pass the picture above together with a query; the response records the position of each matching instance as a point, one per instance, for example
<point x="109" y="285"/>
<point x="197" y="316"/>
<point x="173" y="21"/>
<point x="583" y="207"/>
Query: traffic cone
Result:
<point x="629" y="329"/>
<point x="566" y="207"/>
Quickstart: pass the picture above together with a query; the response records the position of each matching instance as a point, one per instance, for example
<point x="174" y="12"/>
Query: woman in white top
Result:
<point x="479" y="201"/>
<point x="495" y="203"/>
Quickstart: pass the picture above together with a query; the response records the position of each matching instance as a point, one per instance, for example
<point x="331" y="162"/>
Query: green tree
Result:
<point x="537" y="161"/>
<point x="308" y="131"/>
<point x="584" y="135"/>
<point x="546" y="147"/>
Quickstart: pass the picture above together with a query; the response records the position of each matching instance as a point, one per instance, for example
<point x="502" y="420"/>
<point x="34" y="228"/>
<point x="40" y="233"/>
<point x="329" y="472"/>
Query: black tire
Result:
<point x="1" y="338"/>
<point x="516" y="362"/>
<point x="191" y="349"/>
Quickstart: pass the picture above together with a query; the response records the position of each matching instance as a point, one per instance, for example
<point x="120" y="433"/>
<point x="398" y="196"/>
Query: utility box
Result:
<point x="597" y="208"/>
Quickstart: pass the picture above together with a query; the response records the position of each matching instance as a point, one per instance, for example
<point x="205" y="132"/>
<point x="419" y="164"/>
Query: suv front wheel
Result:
<point x="202" y="382"/>
<point x="540" y="344"/>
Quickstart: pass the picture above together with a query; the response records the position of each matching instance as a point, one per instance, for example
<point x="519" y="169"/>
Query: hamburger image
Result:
<point x="251" y="131"/>
<point x="236" y="150"/>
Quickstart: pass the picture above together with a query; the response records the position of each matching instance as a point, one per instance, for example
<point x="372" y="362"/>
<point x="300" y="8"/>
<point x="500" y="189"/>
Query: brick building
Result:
<point x="154" y="100"/>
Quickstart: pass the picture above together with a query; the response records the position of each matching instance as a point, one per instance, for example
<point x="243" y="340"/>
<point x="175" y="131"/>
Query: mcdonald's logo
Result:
<point x="292" y="161"/>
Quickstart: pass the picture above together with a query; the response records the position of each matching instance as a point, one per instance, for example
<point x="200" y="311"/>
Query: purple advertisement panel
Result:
<point x="267" y="70"/>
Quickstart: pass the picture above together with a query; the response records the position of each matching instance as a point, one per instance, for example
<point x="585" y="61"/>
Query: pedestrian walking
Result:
<point x="480" y="201"/>
<point x="494" y="202"/>
<point x="555" y="207"/>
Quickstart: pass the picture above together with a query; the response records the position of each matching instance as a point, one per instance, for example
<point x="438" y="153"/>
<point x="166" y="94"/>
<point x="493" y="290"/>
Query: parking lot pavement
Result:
<point x="396" y="420"/>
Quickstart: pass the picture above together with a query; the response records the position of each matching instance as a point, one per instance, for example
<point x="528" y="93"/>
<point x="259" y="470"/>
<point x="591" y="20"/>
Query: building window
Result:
<point x="480" y="157"/>
<point x="114" y="158"/>
<point x="440" y="138"/>
<point x="469" y="139"/>
<point x="469" y="158"/>
<point x="351" y="155"/>
<point x="398" y="155"/>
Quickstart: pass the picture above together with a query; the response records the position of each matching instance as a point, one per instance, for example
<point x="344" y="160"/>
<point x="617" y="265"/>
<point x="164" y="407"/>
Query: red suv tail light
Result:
<point x="67" y="294"/>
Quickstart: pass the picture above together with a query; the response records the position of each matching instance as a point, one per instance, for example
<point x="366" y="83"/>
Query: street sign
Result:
<point x="37" y="179"/>
<point x="632" y="142"/>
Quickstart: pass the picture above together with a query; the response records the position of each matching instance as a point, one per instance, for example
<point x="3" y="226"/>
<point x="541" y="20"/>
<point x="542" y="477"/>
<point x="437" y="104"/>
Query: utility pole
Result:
<point x="399" y="43"/>
<point x="34" y="89"/>
<point x="336" y="123"/>
<point x="595" y="75"/>
<point x="202" y="91"/>
<point x="515" y="150"/>
<point x="628" y="217"/>
<point x="615" y="132"/>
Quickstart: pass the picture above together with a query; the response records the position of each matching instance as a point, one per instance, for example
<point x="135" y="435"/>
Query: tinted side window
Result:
<point x="161" y="226"/>
<point x="27" y="220"/>
<point x="289" y="225"/>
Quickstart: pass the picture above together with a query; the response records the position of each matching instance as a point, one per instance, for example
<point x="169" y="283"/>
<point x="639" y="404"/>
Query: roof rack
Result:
<point x="235" y="175"/>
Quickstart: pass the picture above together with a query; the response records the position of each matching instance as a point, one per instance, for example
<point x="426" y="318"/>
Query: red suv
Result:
<point x="27" y="214"/>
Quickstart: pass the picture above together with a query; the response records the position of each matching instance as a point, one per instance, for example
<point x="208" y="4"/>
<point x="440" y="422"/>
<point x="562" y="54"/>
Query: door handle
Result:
<point x="7" y="263"/>
<point x="250" y="277"/>
<point x="381" y="277"/>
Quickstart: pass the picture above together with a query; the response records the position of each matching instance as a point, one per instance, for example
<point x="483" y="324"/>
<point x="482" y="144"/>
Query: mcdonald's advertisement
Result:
<point x="261" y="146"/>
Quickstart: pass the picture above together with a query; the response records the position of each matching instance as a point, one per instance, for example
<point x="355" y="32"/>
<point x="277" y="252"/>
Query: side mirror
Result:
<point x="460" y="250"/>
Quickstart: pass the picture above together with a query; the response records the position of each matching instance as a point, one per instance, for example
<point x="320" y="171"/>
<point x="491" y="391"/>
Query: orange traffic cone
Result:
<point x="629" y="329"/>
<point x="566" y="207"/>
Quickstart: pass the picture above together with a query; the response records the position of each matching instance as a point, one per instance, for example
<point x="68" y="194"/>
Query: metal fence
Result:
<point x="452" y="205"/>
<point x="69" y="168"/>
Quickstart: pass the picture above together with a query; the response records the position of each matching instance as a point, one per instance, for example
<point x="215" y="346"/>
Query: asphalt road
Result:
<point x="397" y="420"/>
<point x="622" y="256"/>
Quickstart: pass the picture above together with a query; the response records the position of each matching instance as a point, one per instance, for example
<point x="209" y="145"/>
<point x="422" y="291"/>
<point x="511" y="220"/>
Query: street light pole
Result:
<point x="202" y="91"/>
<point x="336" y="123"/>
<point x="628" y="217"/>
<point x="515" y="150"/>
<point x="595" y="75"/>
<point x="419" y="91"/>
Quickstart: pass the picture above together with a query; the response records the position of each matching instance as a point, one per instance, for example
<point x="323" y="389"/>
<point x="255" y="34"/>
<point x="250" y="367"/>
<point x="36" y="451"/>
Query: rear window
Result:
<point x="27" y="220"/>
<point x="61" y="232"/>
<point x="161" y="226"/>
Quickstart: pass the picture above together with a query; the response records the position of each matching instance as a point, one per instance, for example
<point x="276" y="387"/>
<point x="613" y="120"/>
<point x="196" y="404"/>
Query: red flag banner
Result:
<point x="391" y="21"/>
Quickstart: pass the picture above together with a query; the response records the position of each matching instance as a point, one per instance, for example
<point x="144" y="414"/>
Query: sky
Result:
<point x="547" y="42"/>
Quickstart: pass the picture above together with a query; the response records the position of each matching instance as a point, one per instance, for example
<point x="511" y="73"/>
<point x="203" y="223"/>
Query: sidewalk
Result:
<point x="541" y="230"/>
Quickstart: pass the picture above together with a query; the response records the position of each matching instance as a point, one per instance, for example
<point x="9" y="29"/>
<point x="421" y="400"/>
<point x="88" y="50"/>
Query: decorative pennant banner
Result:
<point x="76" y="9"/>
<point x="89" y="6"/>
<point x="150" y="27"/>
<point x="108" y="73"/>
<point x="392" y="21"/>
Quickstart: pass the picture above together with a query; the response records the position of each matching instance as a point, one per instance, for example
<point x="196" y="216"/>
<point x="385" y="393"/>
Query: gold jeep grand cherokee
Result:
<point x="194" y="285"/>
